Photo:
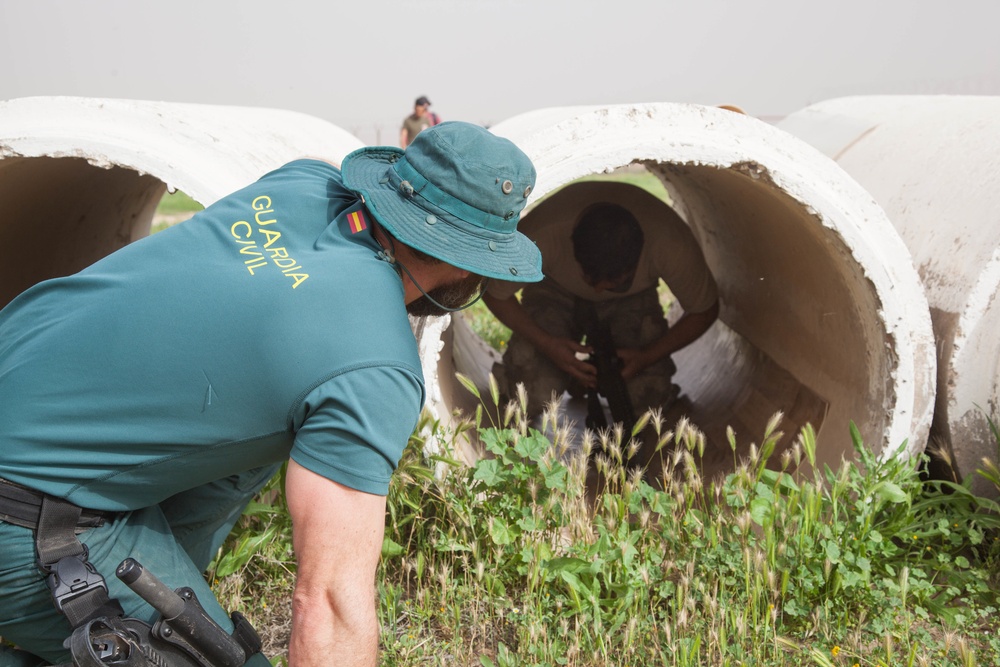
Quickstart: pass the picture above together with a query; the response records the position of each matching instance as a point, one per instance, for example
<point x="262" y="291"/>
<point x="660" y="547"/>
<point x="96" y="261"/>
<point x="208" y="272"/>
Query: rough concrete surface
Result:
<point x="933" y="164"/>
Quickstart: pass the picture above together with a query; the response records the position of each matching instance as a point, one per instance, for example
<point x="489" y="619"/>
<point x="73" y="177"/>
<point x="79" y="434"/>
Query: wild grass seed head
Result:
<point x="786" y="459"/>
<point x="797" y="452"/>
<point x="676" y="457"/>
<point x="681" y="430"/>
<point x="633" y="448"/>
<point x="663" y="440"/>
<point x="743" y="522"/>
<point x="640" y="423"/>
<point x="587" y="443"/>
<point x="508" y="414"/>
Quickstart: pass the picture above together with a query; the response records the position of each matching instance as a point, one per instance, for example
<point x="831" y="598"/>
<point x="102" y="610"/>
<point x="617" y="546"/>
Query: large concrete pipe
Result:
<point x="823" y="316"/>
<point x="81" y="177"/>
<point x="932" y="163"/>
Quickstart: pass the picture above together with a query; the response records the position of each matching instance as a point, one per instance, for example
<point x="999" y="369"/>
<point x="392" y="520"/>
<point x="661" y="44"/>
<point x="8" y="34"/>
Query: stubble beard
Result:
<point x="451" y="295"/>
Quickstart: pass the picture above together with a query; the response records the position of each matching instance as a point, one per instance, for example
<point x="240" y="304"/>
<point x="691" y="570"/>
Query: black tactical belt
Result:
<point x="22" y="506"/>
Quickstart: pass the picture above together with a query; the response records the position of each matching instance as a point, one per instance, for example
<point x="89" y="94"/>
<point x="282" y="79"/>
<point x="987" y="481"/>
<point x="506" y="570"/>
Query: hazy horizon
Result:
<point x="360" y="65"/>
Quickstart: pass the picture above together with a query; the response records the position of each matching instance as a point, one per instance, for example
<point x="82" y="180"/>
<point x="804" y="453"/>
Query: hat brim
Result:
<point x="420" y="224"/>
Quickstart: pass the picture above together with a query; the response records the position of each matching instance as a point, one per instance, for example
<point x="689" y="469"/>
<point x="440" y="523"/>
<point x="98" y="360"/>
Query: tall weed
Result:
<point x="518" y="560"/>
<point x="510" y="562"/>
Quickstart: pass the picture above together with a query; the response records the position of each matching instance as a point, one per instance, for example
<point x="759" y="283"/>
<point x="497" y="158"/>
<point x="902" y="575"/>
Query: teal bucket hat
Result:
<point x="456" y="193"/>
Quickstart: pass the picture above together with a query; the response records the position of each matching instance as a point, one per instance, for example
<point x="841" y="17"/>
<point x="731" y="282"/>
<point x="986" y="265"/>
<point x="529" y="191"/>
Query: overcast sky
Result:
<point x="361" y="64"/>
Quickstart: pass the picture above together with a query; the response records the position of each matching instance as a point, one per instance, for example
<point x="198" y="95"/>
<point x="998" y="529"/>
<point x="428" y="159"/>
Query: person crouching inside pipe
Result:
<point x="605" y="246"/>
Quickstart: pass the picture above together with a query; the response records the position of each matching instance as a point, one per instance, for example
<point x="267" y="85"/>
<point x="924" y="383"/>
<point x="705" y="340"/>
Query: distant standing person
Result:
<point x="419" y="120"/>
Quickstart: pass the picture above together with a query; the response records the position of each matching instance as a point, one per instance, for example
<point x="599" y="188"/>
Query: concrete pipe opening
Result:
<point x="63" y="214"/>
<point x="822" y="316"/>
<point x="931" y="163"/>
<point x="81" y="177"/>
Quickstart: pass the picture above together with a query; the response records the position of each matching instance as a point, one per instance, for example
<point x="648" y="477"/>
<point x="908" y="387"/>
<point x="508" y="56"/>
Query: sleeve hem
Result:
<point x="349" y="478"/>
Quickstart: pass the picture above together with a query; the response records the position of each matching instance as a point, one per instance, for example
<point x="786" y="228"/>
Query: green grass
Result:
<point x="487" y="326"/>
<point x="176" y="203"/>
<point x="641" y="179"/>
<point x="507" y="562"/>
<point x="172" y="208"/>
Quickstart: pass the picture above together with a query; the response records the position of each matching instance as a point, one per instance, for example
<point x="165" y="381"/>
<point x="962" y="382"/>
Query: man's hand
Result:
<point x="634" y="361"/>
<point x="685" y="331"/>
<point x="337" y="535"/>
<point x="563" y="351"/>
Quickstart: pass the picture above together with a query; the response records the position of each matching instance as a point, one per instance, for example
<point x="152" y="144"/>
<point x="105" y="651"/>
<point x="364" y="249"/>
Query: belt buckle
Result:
<point x="72" y="576"/>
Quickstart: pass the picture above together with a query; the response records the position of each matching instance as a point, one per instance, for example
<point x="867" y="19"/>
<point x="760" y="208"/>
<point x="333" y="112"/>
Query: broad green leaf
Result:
<point x="489" y="472"/>
<point x="569" y="564"/>
<point x="532" y="446"/>
<point x="760" y="509"/>
<point x="391" y="549"/>
<point x="501" y="532"/>
<point x="891" y="492"/>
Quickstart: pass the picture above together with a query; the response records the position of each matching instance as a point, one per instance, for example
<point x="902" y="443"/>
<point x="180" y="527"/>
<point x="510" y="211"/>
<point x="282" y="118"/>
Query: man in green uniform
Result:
<point x="161" y="387"/>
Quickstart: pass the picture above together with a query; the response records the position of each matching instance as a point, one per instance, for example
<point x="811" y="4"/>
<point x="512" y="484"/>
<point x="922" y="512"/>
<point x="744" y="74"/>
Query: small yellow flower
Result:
<point x="835" y="651"/>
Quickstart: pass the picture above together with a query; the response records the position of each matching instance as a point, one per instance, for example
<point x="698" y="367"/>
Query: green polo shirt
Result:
<point x="264" y="327"/>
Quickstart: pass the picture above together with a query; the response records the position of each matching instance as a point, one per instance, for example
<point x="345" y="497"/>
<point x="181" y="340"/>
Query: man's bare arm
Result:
<point x="338" y="540"/>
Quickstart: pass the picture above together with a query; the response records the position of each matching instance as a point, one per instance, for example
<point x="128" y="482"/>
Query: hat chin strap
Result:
<point x="388" y="256"/>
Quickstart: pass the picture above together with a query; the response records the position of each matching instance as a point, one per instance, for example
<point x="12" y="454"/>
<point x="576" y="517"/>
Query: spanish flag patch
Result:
<point x="356" y="220"/>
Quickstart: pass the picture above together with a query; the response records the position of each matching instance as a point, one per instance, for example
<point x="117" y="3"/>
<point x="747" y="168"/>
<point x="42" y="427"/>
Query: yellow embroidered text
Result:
<point x="257" y="243"/>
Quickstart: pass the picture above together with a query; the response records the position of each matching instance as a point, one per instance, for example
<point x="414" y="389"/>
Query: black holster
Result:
<point x="184" y="636"/>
